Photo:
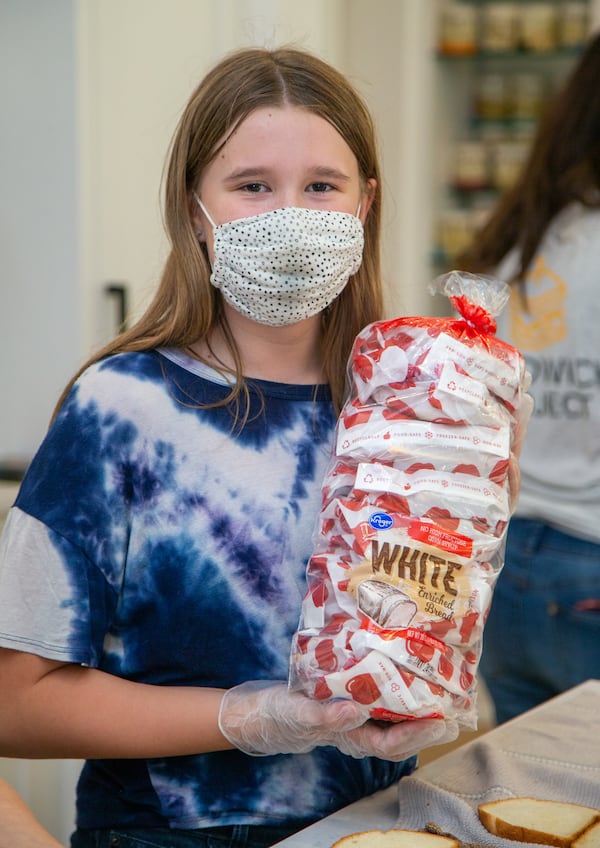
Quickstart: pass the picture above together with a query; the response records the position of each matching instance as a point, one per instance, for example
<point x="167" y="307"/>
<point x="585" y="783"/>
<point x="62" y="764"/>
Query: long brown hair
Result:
<point x="563" y="166"/>
<point x="186" y="307"/>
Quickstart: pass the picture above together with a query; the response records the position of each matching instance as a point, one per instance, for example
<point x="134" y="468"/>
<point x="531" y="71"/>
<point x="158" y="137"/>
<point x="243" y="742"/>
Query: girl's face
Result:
<point x="278" y="157"/>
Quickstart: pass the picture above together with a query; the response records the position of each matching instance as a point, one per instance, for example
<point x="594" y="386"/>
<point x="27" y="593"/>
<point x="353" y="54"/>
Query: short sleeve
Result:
<point x="44" y="608"/>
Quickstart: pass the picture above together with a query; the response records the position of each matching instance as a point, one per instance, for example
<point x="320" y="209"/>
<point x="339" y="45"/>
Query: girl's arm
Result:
<point x="18" y="825"/>
<point x="50" y="709"/>
<point x="53" y="710"/>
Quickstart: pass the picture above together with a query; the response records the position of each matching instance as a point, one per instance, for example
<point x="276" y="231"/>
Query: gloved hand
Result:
<point x="514" y="472"/>
<point x="263" y="717"/>
<point x="395" y="740"/>
<point x="523" y="415"/>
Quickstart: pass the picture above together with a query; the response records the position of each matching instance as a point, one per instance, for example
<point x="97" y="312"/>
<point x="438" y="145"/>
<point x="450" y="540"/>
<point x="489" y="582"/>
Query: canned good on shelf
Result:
<point x="573" y="23"/>
<point x="459" y="32"/>
<point x="492" y="97"/>
<point x="539" y="27"/>
<point x="500" y="27"/>
<point x="527" y="96"/>
<point x="455" y="231"/>
<point x="471" y="165"/>
<point x="508" y="158"/>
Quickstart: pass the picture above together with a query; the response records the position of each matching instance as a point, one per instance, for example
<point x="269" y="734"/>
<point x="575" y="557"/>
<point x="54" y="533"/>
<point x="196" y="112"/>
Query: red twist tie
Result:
<point x="474" y="315"/>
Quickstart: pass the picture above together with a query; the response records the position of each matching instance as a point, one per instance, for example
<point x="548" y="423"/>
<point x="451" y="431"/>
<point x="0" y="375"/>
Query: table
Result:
<point x="552" y="751"/>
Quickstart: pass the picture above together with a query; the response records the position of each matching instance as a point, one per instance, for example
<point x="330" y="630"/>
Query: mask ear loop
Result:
<point x="204" y="209"/>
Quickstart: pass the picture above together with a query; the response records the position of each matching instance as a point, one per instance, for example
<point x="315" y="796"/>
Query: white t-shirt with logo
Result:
<point x="559" y="335"/>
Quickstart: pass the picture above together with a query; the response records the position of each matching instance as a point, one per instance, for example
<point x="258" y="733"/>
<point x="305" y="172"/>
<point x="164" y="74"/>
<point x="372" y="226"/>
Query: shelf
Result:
<point x="490" y="102"/>
<point x="471" y="189"/>
<point x="510" y="55"/>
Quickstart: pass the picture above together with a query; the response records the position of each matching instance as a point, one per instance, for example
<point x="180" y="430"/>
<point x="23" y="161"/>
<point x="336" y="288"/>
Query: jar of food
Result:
<point x="527" y="96"/>
<point x="573" y="24"/>
<point x="499" y="27"/>
<point x="455" y="231"/>
<point x="459" y="31"/>
<point x="492" y="97"/>
<point x="539" y="27"/>
<point x="508" y="158"/>
<point x="471" y="165"/>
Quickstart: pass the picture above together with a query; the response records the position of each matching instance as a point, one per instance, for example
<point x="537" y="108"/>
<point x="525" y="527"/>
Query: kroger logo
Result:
<point x="381" y="520"/>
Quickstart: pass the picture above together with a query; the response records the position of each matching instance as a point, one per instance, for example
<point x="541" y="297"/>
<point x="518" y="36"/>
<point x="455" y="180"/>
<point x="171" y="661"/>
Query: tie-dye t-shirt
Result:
<point x="153" y="539"/>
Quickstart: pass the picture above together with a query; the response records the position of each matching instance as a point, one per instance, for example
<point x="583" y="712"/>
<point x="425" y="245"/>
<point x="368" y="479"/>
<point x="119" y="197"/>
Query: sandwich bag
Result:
<point x="416" y="499"/>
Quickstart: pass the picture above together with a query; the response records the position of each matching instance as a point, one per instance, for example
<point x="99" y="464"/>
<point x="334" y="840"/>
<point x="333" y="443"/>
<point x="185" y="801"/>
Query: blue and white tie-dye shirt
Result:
<point x="154" y="540"/>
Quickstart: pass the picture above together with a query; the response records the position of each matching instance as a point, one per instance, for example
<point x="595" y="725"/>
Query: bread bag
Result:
<point x="410" y="537"/>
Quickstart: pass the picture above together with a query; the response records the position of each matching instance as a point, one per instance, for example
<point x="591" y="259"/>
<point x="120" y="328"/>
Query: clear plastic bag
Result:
<point x="411" y="534"/>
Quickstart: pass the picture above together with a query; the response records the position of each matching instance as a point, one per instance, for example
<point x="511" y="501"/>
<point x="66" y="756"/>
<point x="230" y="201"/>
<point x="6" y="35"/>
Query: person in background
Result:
<point x="153" y="566"/>
<point x="18" y="826"/>
<point x="543" y="237"/>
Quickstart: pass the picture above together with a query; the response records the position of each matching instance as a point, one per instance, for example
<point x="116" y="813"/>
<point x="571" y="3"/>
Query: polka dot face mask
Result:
<point x="285" y="265"/>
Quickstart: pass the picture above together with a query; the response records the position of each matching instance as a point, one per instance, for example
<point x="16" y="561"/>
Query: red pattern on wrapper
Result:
<point x="410" y="538"/>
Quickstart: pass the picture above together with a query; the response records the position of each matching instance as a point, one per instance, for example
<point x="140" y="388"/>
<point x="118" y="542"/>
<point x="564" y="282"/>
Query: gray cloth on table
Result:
<point x="562" y="763"/>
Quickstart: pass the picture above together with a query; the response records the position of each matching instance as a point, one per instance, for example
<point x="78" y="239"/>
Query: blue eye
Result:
<point x="320" y="187"/>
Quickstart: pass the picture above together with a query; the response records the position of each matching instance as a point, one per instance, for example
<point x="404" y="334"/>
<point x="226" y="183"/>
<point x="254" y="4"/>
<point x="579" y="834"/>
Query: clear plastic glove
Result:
<point x="514" y="471"/>
<point x="523" y="415"/>
<point x="395" y="741"/>
<point x="263" y="717"/>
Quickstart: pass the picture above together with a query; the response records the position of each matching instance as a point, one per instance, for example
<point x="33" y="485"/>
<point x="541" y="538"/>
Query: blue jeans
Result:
<point x="543" y="632"/>
<point x="232" y="836"/>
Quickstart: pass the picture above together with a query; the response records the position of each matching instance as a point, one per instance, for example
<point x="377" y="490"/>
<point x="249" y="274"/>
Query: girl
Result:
<point x="155" y="558"/>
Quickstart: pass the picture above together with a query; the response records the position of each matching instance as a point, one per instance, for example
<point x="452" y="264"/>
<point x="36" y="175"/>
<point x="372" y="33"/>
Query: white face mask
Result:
<point x="285" y="265"/>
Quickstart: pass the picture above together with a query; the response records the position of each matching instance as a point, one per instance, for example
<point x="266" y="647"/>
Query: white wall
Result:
<point x="388" y="56"/>
<point x="40" y="311"/>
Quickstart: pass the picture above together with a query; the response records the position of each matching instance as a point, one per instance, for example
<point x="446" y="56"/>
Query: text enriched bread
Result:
<point x="543" y="822"/>
<point x="395" y="839"/>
